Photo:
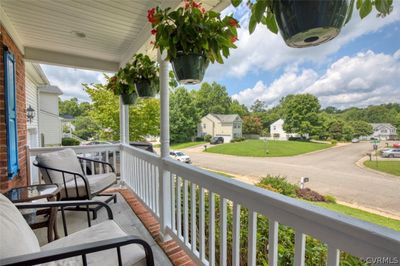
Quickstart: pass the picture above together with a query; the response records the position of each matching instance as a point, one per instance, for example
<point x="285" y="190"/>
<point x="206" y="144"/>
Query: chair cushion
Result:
<point x="131" y="254"/>
<point x="97" y="183"/>
<point x="17" y="238"/>
<point x="64" y="160"/>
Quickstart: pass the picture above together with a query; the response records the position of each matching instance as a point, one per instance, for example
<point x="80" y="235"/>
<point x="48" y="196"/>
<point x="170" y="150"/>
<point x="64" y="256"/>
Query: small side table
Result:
<point x="50" y="192"/>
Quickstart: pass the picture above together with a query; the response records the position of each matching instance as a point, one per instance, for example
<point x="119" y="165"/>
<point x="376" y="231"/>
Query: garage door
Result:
<point x="227" y="138"/>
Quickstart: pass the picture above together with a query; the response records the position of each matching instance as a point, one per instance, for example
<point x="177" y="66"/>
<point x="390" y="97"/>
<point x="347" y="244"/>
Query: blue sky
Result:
<point x="360" y="67"/>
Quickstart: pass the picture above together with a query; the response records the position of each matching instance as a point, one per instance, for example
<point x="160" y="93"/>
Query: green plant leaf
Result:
<point x="366" y="8"/>
<point x="359" y="3"/>
<point x="236" y="3"/>
<point x="383" y="6"/>
<point x="258" y="9"/>
<point x="270" y="22"/>
<point x="252" y="24"/>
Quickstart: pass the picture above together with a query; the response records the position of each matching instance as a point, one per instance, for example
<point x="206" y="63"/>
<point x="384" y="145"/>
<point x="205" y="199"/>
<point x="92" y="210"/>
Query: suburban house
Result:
<point x="49" y="120"/>
<point x="216" y="125"/>
<point x="384" y="131"/>
<point x="278" y="133"/>
<point x="103" y="36"/>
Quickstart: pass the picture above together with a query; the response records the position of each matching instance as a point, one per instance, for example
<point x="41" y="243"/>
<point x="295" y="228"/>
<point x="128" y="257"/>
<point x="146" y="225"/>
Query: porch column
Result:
<point x="123" y="121"/>
<point x="124" y="134"/>
<point x="165" y="179"/>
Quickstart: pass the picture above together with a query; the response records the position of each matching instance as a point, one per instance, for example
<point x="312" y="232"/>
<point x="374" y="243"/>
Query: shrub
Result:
<point x="237" y="140"/>
<point x="308" y="194"/>
<point x="69" y="142"/>
<point x="199" y="139"/>
<point x="330" y="199"/>
<point x="333" y="142"/>
<point x="279" y="184"/>
<point x="207" y="138"/>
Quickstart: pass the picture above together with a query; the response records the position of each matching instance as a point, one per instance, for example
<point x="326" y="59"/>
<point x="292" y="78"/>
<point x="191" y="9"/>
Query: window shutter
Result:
<point x="11" y="114"/>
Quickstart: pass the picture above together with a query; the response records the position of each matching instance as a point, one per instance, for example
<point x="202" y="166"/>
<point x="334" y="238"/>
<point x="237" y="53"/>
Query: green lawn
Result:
<point x="390" y="167"/>
<point x="257" y="148"/>
<point x="360" y="214"/>
<point x="184" y="145"/>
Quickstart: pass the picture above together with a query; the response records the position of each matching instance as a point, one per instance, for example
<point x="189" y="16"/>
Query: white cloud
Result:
<point x="265" y="51"/>
<point x="70" y="80"/>
<point x="367" y="78"/>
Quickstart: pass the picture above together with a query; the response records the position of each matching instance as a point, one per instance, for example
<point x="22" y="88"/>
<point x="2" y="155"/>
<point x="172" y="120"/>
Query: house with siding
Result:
<point x="49" y="120"/>
<point x="278" y="133"/>
<point x="383" y="131"/>
<point x="217" y="125"/>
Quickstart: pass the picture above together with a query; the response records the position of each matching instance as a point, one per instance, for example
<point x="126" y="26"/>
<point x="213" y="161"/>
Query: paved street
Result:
<point x="332" y="171"/>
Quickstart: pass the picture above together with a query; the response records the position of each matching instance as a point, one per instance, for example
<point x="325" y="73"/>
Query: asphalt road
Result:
<point x="332" y="171"/>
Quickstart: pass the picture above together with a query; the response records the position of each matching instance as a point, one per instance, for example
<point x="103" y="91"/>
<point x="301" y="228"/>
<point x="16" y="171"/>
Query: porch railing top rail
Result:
<point x="77" y="149"/>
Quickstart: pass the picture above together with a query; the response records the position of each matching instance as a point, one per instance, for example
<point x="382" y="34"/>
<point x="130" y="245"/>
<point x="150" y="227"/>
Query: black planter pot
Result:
<point x="189" y="69"/>
<point x="129" y="99"/>
<point x="146" y="89"/>
<point x="309" y="22"/>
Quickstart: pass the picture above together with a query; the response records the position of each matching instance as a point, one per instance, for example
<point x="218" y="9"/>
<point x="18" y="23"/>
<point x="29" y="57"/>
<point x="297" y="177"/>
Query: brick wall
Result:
<point x="22" y="179"/>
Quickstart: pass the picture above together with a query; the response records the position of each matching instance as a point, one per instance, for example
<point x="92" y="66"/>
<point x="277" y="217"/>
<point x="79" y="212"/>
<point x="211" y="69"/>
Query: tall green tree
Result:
<point x="258" y="106"/>
<point x="144" y="117"/>
<point x="361" y="128"/>
<point x="86" y="128"/>
<point x="301" y="114"/>
<point x="69" y="107"/>
<point x="212" y="98"/>
<point x="184" y="116"/>
<point x="237" y="108"/>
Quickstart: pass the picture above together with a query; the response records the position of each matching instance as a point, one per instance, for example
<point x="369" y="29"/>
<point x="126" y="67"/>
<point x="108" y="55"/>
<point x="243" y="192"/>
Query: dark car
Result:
<point x="217" y="140"/>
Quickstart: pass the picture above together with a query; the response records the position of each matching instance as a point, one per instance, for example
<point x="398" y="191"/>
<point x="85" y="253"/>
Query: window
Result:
<point x="204" y="125"/>
<point x="11" y="114"/>
<point x="274" y="127"/>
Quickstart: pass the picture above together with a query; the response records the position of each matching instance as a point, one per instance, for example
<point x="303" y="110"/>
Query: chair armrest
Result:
<point x="97" y="161"/>
<point x="80" y="250"/>
<point x="63" y="172"/>
<point x="62" y="204"/>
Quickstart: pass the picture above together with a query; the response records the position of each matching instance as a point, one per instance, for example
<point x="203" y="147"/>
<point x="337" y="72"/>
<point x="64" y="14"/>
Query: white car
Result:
<point x="391" y="153"/>
<point x="180" y="156"/>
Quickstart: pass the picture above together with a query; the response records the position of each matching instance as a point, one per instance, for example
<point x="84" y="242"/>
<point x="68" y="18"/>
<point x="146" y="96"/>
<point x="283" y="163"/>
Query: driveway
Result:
<point x="332" y="171"/>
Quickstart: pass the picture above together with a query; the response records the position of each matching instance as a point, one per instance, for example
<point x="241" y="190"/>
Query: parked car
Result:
<point x="217" y="140"/>
<point x="355" y="140"/>
<point x="396" y="145"/>
<point x="391" y="153"/>
<point x="180" y="156"/>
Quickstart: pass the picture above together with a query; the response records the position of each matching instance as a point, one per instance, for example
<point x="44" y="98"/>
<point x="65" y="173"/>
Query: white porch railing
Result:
<point x="194" y="191"/>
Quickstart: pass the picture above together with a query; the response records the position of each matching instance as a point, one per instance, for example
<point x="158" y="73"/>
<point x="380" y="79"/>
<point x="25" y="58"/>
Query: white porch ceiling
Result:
<point x="46" y="30"/>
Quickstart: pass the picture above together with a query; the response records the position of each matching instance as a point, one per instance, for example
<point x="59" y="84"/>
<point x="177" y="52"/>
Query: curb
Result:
<point x="360" y="163"/>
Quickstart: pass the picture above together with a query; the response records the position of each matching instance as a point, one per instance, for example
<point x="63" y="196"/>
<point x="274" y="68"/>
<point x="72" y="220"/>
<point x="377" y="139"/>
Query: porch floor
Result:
<point x="123" y="216"/>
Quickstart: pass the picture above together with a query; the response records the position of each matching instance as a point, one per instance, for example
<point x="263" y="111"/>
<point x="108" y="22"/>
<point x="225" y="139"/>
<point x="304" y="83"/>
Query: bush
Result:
<point x="69" y="142"/>
<point x="308" y="194"/>
<point x="330" y="199"/>
<point x="199" y="139"/>
<point x="207" y="138"/>
<point x="237" y="140"/>
<point x="333" y="142"/>
<point x="279" y="184"/>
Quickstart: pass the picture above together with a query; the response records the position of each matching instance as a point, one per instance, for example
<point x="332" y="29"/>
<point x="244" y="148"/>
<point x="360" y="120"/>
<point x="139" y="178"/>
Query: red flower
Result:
<point x="233" y="38"/>
<point x="150" y="15"/>
<point x="153" y="31"/>
<point x="203" y="10"/>
<point x="233" y="22"/>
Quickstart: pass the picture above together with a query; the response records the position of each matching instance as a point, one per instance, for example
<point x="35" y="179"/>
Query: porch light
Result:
<point x="30" y="113"/>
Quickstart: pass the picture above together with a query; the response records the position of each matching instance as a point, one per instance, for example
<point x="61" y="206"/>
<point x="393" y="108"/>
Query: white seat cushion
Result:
<point x="131" y="254"/>
<point x="16" y="237"/>
<point x="63" y="160"/>
<point x="97" y="183"/>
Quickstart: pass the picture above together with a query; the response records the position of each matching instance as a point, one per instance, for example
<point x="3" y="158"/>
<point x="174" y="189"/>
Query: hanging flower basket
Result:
<point x="129" y="99"/>
<point x="146" y="88"/>
<point x="192" y="37"/>
<point x="190" y="68"/>
<point x="309" y="23"/>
